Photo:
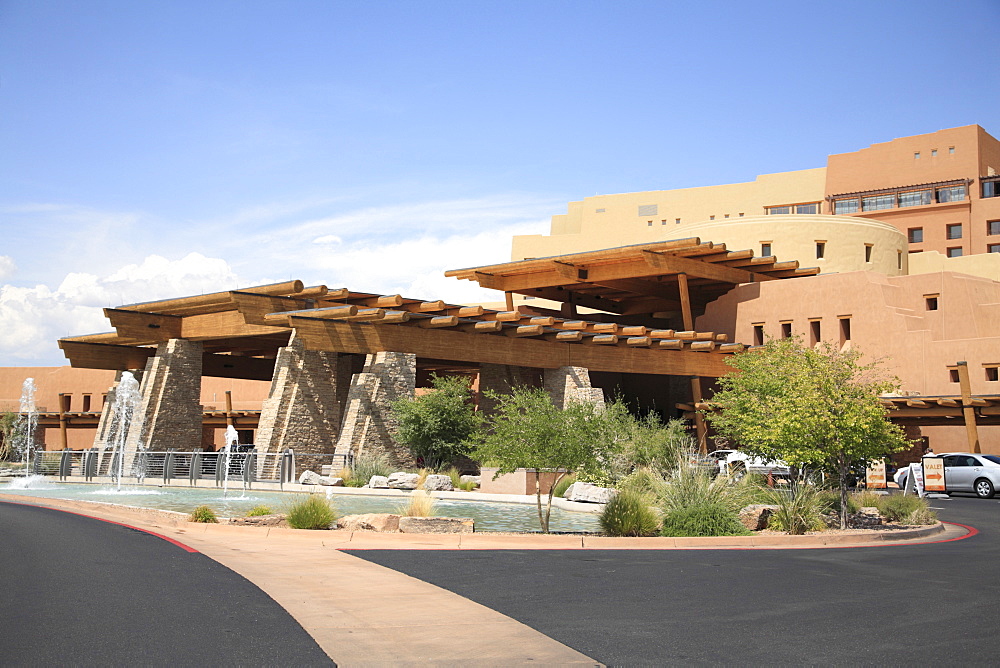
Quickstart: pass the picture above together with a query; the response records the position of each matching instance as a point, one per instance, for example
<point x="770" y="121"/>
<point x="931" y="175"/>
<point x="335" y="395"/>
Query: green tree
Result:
<point x="8" y="425"/>
<point x="812" y="407"/>
<point x="438" y="426"/>
<point x="527" y="431"/>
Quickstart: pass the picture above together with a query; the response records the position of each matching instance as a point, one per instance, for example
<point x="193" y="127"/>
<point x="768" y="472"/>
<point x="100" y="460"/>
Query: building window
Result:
<point x="915" y="198"/>
<point x="915" y="235"/>
<point x="726" y="216"/>
<point x="916" y="156"/>
<point x="953" y="375"/>
<point x="933" y="152"/>
<point x="992" y="373"/>
<point x="845" y="330"/>
<point x="954" y="231"/>
<point x="951" y="194"/>
<point x="741" y="215"/>
<point x="814" y="332"/>
<point x="878" y="202"/>
<point x="951" y="150"/>
<point x="677" y="221"/>
<point x="820" y="249"/>
<point x="599" y="211"/>
<point x="868" y="252"/>
<point x="773" y="210"/>
<point x="931" y="302"/>
<point x="993" y="248"/>
<point x="842" y="206"/>
<point x="649" y="223"/>
<point x="992" y="227"/>
<point x="648" y="209"/>
<point x="663" y="222"/>
<point x="991" y="189"/>
<point x="786" y="330"/>
<point x="765" y="249"/>
<point x="758" y="334"/>
<point x="812" y="207"/>
<point x="899" y="259"/>
<point x="711" y="217"/>
<point x="955" y="251"/>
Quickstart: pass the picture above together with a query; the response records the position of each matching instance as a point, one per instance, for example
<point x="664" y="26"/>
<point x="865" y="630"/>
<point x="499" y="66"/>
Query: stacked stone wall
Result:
<point x="368" y="426"/>
<point x="502" y="378"/>
<point x="571" y="383"/>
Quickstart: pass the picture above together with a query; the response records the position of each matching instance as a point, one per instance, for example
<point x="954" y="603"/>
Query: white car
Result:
<point x="736" y="462"/>
<point x="965" y="472"/>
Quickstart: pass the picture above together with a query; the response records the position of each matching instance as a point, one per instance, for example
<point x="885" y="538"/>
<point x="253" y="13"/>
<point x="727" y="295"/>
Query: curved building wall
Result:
<point x="845" y="241"/>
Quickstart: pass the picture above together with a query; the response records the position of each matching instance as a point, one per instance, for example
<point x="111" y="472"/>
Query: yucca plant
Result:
<point x="629" y="513"/>
<point x="800" y="507"/>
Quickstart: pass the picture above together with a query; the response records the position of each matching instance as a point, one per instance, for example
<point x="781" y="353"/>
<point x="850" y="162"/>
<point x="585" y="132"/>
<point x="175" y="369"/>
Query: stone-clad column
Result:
<point x="502" y="378"/>
<point x="571" y="383"/>
<point x="368" y="424"/>
<point x="171" y="413"/>
<point x="303" y="408"/>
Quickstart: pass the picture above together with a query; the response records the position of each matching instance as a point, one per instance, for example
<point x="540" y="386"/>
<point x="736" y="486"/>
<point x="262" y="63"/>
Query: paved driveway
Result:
<point x="79" y="591"/>
<point x="912" y="604"/>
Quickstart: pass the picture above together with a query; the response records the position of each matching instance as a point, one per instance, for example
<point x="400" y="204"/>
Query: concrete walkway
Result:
<point x="364" y="614"/>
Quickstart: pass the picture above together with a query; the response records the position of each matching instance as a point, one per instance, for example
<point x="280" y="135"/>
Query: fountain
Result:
<point x="27" y="422"/>
<point x="127" y="399"/>
<point x="232" y="438"/>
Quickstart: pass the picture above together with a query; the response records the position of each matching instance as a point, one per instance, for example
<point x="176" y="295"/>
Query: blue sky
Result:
<point x="154" y="149"/>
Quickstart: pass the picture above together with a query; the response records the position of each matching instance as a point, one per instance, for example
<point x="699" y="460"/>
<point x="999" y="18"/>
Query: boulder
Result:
<point x="400" y="480"/>
<point x="586" y="492"/>
<point x="313" y="478"/>
<point x="382" y="522"/>
<point x="276" y="520"/>
<point x="755" y="517"/>
<point x="471" y="478"/>
<point x="378" y="482"/>
<point x="866" y="518"/>
<point x="436" y="524"/>
<point x="438" y="483"/>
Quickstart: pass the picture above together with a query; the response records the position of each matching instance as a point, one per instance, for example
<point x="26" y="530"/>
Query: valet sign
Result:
<point x="933" y="474"/>
<point x="875" y="476"/>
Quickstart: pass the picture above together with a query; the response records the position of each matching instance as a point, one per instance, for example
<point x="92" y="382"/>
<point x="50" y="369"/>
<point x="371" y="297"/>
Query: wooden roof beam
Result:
<point x="139" y="325"/>
<point x="214" y="299"/>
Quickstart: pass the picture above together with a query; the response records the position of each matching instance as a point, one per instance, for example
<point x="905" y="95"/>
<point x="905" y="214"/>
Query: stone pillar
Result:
<point x="368" y="425"/>
<point x="571" y="383"/>
<point x="303" y="408"/>
<point x="502" y="378"/>
<point x="170" y="415"/>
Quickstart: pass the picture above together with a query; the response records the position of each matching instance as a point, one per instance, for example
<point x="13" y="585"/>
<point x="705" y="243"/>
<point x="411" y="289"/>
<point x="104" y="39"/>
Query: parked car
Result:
<point x="738" y="463"/>
<point x="965" y="472"/>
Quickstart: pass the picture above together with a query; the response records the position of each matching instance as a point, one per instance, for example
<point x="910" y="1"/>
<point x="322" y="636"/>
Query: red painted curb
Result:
<point x="179" y="544"/>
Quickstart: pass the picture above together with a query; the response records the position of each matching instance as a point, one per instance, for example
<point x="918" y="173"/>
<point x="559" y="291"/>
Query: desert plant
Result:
<point x="420" y="505"/>
<point x="867" y="498"/>
<point x="690" y="486"/>
<point x="257" y="511"/>
<point x="629" y="513"/>
<point x="645" y="481"/>
<point x="703" y="519"/>
<point x="800" y="507"/>
<point x="204" y="514"/>
<point x="365" y="466"/>
<point x="422" y="477"/>
<point x="467" y="486"/>
<point x="312" y="512"/>
<point x="906" y="509"/>
<point x="438" y="426"/>
<point x="831" y="498"/>
<point x="560" y="487"/>
<point x="455" y="475"/>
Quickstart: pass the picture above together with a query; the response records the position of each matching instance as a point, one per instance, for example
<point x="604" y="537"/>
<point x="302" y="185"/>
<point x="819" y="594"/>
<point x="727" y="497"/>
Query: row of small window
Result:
<point x="916" y="154"/>
<point x="992" y="373"/>
<point x="901" y="200"/>
<point x="765" y="251"/>
<point x="812" y="207"/>
<point x="815" y="330"/>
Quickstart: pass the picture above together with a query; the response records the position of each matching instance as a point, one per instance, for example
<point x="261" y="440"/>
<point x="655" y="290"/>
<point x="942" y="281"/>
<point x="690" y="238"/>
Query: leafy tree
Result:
<point x="438" y="426"/>
<point x="527" y="431"/>
<point x="812" y="407"/>
<point x="8" y="426"/>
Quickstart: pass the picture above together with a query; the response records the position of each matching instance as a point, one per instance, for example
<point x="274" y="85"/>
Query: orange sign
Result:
<point x="933" y="474"/>
<point x="875" y="476"/>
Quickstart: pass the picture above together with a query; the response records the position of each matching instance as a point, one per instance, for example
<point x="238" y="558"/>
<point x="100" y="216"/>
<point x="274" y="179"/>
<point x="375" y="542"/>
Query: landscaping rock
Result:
<point x="755" y="517"/>
<point x="378" y="482"/>
<point x="382" y="522"/>
<point x="400" y="480"/>
<point x="586" y="492"/>
<point x="471" y="478"/>
<point x="438" y="483"/>
<point x="866" y="518"/>
<point x="313" y="478"/>
<point x="436" y="524"/>
<point x="276" y="520"/>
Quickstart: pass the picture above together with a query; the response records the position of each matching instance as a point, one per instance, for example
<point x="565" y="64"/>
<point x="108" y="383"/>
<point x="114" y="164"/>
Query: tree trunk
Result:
<point x="843" y="471"/>
<point x="542" y="519"/>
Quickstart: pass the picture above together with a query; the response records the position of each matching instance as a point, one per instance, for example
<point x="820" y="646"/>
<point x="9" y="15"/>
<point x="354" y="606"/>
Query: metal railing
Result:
<point x="246" y="466"/>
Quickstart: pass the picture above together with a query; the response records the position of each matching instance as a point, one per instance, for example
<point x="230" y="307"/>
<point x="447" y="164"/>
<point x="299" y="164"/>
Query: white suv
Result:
<point x="737" y="463"/>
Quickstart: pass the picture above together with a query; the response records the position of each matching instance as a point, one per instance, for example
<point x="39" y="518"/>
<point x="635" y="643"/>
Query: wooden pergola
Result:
<point x="242" y="331"/>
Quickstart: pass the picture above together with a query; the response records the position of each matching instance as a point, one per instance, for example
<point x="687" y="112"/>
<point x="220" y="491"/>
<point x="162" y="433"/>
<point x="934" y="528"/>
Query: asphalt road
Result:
<point x="79" y="591"/>
<point x="899" y="605"/>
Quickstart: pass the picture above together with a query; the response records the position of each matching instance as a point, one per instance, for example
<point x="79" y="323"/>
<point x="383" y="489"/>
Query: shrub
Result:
<point x="867" y="498"/>
<point x="563" y="485"/>
<point x="312" y="512"/>
<point x="420" y="505"/>
<point x="690" y="486"/>
<point x="906" y="509"/>
<point x="259" y="510"/>
<point x="800" y="508"/>
<point x="455" y="475"/>
<point x="365" y="466"/>
<point x="629" y="514"/>
<point x="831" y="498"/>
<point x="204" y="514"/>
<point x="706" y="519"/>
<point x="467" y="486"/>
<point x="438" y="426"/>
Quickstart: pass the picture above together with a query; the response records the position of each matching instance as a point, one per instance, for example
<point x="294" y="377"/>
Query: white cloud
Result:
<point x="7" y="267"/>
